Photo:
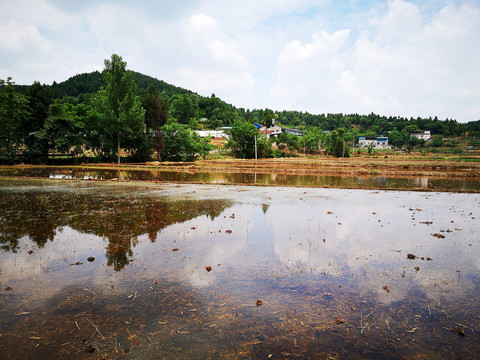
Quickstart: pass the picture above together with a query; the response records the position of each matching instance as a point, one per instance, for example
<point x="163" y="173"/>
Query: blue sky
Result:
<point x="398" y="57"/>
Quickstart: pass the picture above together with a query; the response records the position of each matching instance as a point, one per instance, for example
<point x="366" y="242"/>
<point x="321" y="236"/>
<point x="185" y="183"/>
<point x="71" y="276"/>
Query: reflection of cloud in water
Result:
<point x="369" y="234"/>
<point x="45" y="268"/>
<point x="201" y="242"/>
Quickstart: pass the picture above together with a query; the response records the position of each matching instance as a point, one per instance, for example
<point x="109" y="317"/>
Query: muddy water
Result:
<point x="364" y="182"/>
<point x="92" y="270"/>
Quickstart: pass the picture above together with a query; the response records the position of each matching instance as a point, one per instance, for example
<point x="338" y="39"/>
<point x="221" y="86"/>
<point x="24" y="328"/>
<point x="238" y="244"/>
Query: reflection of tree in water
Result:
<point x="119" y="219"/>
<point x="23" y="214"/>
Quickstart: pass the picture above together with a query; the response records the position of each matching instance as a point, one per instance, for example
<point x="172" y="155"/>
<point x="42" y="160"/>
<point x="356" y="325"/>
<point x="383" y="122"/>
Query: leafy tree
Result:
<point x="155" y="117"/>
<point x="396" y="138"/>
<point x="267" y="118"/>
<point x="39" y="100"/>
<point x="334" y="144"/>
<point x="312" y="140"/>
<point x="13" y="109"/>
<point x="438" y="141"/>
<point x="288" y="142"/>
<point x="63" y="131"/>
<point x="183" y="144"/>
<point x="411" y="128"/>
<point x="181" y="108"/>
<point x="118" y="105"/>
<point x="242" y="139"/>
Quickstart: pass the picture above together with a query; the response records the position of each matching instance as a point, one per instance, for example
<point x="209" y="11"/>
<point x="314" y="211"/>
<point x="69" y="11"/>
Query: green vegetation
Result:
<point x="120" y="113"/>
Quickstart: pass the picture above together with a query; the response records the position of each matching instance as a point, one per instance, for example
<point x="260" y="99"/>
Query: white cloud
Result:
<point x="401" y="64"/>
<point x="21" y="39"/>
<point x="406" y="58"/>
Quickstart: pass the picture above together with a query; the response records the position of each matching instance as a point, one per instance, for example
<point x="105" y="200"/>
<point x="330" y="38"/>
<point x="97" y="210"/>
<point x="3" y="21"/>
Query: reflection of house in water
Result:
<point x="421" y="182"/>
<point x="380" y="181"/>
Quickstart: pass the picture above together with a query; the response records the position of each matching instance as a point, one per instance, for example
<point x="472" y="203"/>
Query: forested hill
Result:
<point x="187" y="107"/>
<point x="88" y="83"/>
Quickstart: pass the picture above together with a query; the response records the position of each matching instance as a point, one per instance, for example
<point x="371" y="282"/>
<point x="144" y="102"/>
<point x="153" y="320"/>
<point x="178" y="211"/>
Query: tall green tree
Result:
<point x="155" y="117"/>
<point x="118" y="105"/>
<point x="267" y="118"/>
<point x="312" y="140"/>
<point x="242" y="141"/>
<point x="183" y="144"/>
<point x="182" y="108"/>
<point x="13" y="109"/>
<point x="39" y="100"/>
<point x="334" y="143"/>
<point x="64" y="129"/>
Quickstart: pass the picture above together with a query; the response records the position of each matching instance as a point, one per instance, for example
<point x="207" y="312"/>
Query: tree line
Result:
<point x="121" y="112"/>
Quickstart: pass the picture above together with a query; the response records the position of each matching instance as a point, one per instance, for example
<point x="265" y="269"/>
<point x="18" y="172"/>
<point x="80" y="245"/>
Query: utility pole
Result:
<point x="255" y="148"/>
<point x="303" y="145"/>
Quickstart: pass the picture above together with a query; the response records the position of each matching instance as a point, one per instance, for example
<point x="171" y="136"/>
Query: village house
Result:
<point x="425" y="135"/>
<point x="374" y="142"/>
<point x="212" y="134"/>
<point x="276" y="130"/>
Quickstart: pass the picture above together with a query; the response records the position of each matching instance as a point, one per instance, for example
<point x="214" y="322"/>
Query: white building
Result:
<point x="425" y="135"/>
<point x="212" y="134"/>
<point x="276" y="130"/>
<point x="380" y="142"/>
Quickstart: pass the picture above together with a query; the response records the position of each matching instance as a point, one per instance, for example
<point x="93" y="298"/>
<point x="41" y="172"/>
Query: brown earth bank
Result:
<point x="459" y="167"/>
<point x="390" y="165"/>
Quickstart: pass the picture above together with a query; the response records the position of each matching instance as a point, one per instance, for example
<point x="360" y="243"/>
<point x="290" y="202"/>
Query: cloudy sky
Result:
<point x="398" y="57"/>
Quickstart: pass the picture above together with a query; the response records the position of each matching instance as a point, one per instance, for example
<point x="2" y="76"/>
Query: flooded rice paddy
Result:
<point x="232" y="178"/>
<point x="102" y="270"/>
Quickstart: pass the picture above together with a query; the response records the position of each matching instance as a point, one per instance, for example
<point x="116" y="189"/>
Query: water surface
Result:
<point x="236" y="178"/>
<point x="203" y="271"/>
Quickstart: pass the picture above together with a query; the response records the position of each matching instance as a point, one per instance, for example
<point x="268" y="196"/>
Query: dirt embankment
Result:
<point x="384" y="166"/>
<point x="388" y="166"/>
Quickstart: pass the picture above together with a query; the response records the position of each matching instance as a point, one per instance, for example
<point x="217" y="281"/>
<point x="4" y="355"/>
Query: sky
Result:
<point x="405" y="58"/>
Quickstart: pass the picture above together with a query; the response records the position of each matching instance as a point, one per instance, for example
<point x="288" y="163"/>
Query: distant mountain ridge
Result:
<point x="88" y="83"/>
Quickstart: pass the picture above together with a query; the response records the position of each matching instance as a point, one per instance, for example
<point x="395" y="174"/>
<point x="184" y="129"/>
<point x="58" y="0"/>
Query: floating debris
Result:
<point x="411" y="256"/>
<point x="208" y="268"/>
<point x="458" y="330"/>
<point x="175" y="249"/>
<point x="385" y="287"/>
<point x="91" y="259"/>
<point x="440" y="236"/>
<point x="259" y="303"/>
<point x="340" y="321"/>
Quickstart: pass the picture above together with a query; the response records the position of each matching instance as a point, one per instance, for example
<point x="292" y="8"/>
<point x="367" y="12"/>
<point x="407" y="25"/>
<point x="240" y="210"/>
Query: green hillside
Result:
<point x="88" y="83"/>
